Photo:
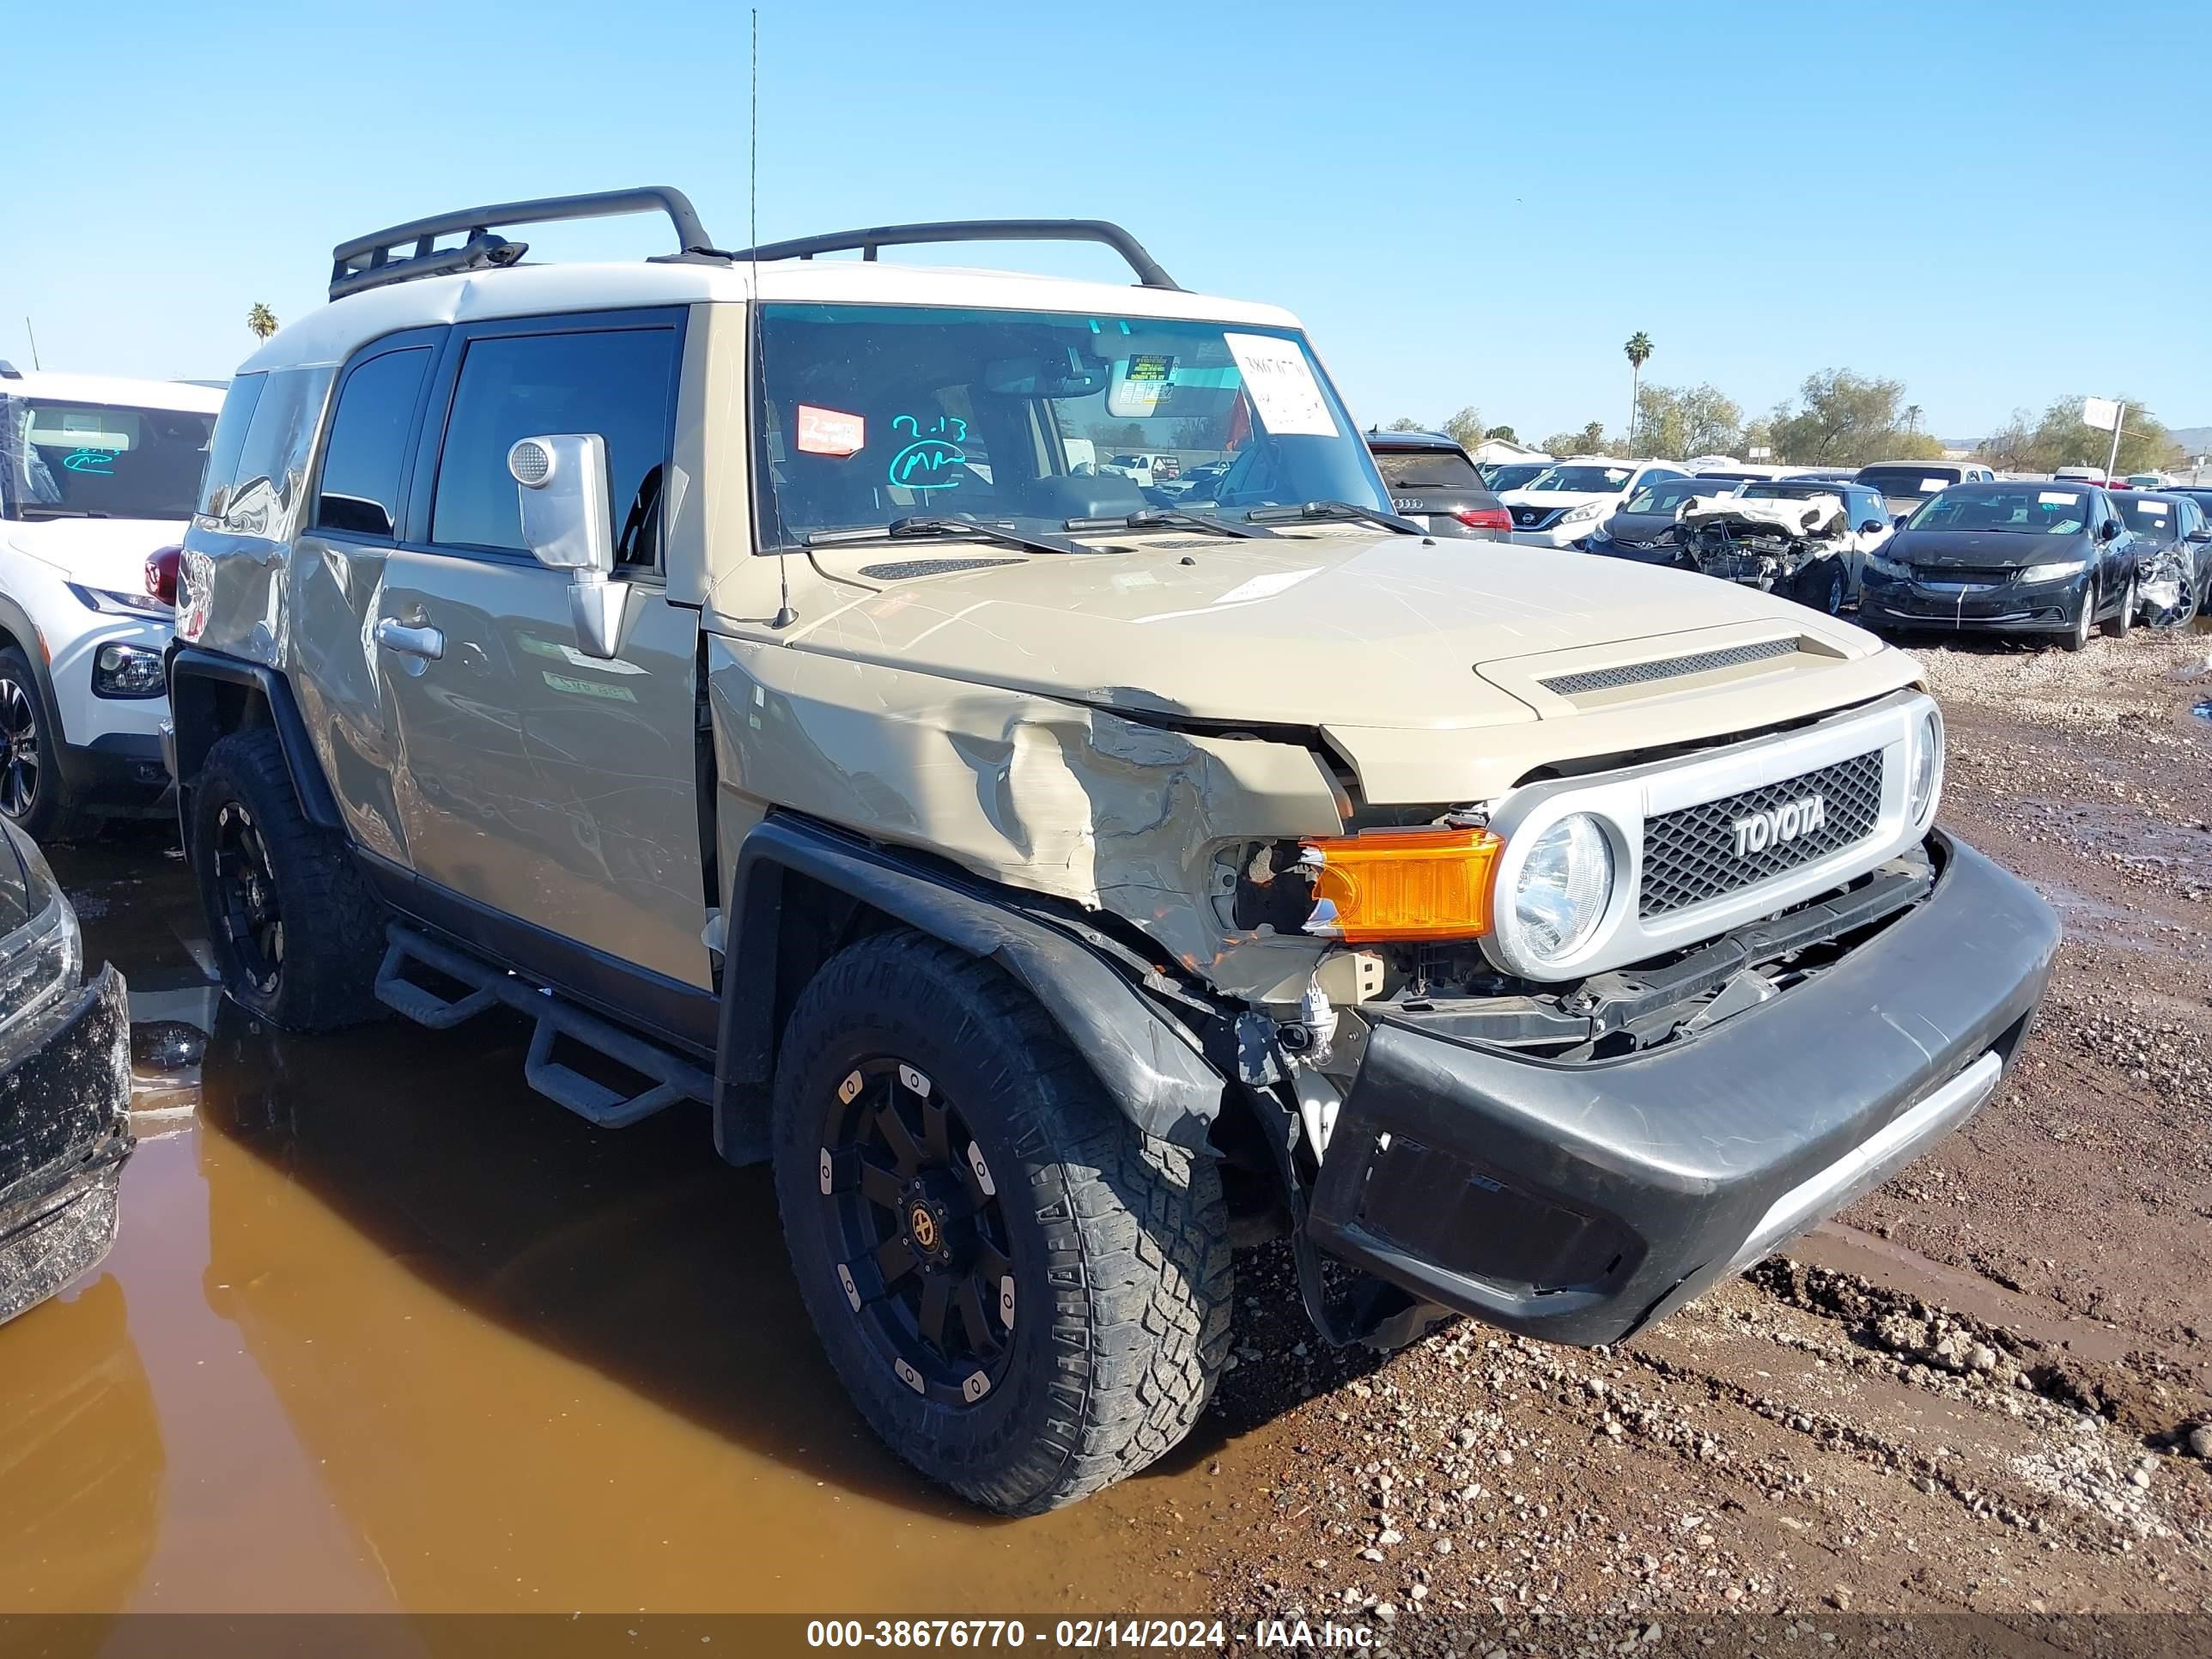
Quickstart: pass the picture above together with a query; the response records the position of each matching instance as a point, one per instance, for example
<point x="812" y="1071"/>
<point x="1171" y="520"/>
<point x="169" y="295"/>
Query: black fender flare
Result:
<point x="1149" y="1065"/>
<point x="195" y="714"/>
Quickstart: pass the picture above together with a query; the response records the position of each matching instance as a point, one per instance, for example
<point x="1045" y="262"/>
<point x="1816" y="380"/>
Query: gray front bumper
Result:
<point x="1579" y="1202"/>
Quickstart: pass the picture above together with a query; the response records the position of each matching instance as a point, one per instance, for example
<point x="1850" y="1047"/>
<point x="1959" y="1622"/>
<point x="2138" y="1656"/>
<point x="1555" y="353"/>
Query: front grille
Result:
<point x="1690" y="855"/>
<point x="1985" y="575"/>
<point x="1666" y="668"/>
<point x="1535" y="518"/>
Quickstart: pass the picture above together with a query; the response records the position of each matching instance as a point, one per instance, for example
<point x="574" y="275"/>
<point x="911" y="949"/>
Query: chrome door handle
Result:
<point x="425" y="642"/>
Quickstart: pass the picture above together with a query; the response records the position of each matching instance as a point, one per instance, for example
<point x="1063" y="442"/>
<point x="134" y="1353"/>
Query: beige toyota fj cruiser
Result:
<point x="738" y="665"/>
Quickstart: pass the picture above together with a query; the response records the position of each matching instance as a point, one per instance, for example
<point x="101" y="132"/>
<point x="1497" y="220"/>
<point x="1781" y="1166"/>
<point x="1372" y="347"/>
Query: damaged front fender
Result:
<point x="1056" y="798"/>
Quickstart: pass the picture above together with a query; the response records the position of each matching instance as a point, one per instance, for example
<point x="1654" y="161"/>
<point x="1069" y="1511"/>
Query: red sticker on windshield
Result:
<point x="831" y="432"/>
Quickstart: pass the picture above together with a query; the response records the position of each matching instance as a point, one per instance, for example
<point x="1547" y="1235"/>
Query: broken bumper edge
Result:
<point x="64" y="1134"/>
<point x="1579" y="1203"/>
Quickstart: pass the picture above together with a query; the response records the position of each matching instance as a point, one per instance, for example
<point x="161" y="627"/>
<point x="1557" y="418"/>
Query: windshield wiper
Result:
<point x="1315" y="511"/>
<point x="1146" y="517"/>
<point x="901" y="529"/>
<point x="47" y="510"/>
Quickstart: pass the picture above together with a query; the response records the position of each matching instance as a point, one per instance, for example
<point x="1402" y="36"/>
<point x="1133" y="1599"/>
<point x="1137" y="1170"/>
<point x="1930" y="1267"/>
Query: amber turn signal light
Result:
<point x="1405" y="884"/>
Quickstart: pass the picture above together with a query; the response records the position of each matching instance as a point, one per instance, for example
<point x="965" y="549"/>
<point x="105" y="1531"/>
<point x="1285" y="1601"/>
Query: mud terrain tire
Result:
<point x="329" y="937"/>
<point x="1119" y="1287"/>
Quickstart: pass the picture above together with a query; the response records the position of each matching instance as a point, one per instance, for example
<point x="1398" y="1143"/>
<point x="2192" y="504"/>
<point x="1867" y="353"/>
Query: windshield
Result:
<point x="1583" y="480"/>
<point x="1668" y="495"/>
<point x="2156" y="520"/>
<point x="1905" y="483"/>
<point x="1429" y="469"/>
<point x="1513" y="476"/>
<point x="872" y="414"/>
<point x="67" y="459"/>
<point x="2027" y="510"/>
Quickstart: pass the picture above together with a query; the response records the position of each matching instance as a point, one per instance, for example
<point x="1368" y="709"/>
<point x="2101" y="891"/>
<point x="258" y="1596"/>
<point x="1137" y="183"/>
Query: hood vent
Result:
<point x="1666" y="668"/>
<point x="903" y="568"/>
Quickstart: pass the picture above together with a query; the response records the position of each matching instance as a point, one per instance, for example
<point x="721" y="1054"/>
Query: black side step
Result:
<point x="673" y="1079"/>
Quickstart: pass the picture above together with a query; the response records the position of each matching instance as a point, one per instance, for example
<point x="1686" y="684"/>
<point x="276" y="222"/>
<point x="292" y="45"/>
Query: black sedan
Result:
<point x="1434" y="482"/>
<point x="2013" y="558"/>
<point x="64" y="1087"/>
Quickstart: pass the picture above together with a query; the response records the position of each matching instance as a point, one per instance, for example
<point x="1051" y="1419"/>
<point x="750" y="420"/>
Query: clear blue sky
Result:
<point x="1465" y="203"/>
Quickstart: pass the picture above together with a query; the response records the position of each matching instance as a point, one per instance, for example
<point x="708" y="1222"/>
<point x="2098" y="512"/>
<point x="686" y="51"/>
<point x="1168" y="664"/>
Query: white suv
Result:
<point x="96" y="473"/>
<point x="1570" y="499"/>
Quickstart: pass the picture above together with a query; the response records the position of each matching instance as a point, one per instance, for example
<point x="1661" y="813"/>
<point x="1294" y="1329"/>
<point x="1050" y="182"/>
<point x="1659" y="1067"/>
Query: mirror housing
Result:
<point x="560" y="485"/>
<point x="2111" y="532"/>
<point x="1872" y="528"/>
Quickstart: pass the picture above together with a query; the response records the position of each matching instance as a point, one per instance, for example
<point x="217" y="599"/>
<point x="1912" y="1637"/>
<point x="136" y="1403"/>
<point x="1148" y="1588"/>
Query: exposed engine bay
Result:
<point x="1767" y="544"/>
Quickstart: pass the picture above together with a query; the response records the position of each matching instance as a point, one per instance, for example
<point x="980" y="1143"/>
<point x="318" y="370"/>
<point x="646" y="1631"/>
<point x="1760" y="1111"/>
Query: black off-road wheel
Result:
<point x="2118" y="627"/>
<point x="33" y="792"/>
<point x="295" y="930"/>
<point x="1027" y="1297"/>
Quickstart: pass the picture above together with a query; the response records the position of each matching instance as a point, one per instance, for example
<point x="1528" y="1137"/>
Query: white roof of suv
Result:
<point x="330" y="335"/>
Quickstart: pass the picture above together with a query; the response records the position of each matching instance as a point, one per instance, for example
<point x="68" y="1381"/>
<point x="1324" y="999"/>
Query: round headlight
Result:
<point x="1563" y="890"/>
<point x="1927" y="768"/>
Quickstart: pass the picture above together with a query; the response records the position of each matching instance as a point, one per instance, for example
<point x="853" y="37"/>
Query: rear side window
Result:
<point x="368" y="443"/>
<point x="1429" y="469"/>
<point x="616" y="382"/>
<point x="272" y="467"/>
<point x="230" y="442"/>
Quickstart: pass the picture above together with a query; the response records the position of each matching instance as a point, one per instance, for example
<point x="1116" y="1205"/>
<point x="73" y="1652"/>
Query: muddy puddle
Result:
<point x="384" y="1330"/>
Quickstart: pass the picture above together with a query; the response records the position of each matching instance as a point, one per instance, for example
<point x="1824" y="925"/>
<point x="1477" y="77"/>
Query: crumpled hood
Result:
<point x="105" y="553"/>
<point x="1811" y="515"/>
<point x="1326" y="631"/>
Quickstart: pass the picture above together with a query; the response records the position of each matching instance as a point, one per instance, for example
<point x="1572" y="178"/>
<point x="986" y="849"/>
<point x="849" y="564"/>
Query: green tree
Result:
<point x="1590" y="440"/>
<point x="1848" y="419"/>
<point x="1504" y="432"/>
<point x="1676" y="422"/>
<point x="1466" y="428"/>
<point x="2061" y="438"/>
<point x="1405" y="424"/>
<point x="260" y="322"/>
<point x="1126" y="434"/>
<point x="1637" y="350"/>
<point x="2011" y="446"/>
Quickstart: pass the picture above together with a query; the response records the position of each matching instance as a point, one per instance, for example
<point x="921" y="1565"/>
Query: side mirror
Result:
<point x="2200" y="535"/>
<point x="1872" y="528"/>
<point x="560" y="482"/>
<point x="2111" y="532"/>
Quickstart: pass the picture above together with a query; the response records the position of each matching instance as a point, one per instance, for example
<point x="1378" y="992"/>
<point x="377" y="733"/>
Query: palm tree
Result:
<point x="260" y="322"/>
<point x="1912" y="417"/>
<point x="1638" y="352"/>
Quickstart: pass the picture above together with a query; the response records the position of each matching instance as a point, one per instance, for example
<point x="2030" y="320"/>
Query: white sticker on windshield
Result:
<point x="2056" y="498"/>
<point x="1281" y="384"/>
<point x="1932" y="484"/>
<point x="1145" y="382"/>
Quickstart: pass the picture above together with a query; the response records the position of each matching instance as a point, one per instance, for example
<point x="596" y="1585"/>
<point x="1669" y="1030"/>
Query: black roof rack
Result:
<point x="368" y="261"/>
<point x="1148" y="270"/>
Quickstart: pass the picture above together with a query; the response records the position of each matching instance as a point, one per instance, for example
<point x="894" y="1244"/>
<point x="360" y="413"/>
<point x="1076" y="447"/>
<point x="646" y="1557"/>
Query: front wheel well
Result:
<point x="803" y="892"/>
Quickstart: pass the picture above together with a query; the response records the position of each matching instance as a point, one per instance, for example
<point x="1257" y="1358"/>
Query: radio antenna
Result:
<point x="785" y="615"/>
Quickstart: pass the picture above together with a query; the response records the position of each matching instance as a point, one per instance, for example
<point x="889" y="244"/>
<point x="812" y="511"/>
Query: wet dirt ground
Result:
<point x="384" y="1331"/>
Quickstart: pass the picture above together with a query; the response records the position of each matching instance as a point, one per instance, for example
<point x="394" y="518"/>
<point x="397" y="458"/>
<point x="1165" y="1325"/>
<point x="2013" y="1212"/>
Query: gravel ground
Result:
<point x="1984" y="1391"/>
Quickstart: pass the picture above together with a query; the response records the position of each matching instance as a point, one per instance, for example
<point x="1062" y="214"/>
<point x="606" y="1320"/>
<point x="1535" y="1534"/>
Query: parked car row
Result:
<point x="1917" y="545"/>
